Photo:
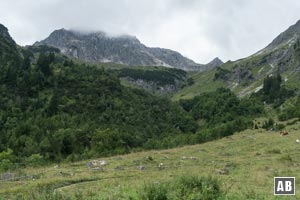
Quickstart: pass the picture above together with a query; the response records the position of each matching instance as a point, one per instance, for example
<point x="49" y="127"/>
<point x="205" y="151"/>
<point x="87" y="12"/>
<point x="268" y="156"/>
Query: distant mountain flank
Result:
<point x="246" y="76"/>
<point x="125" y="49"/>
<point x="287" y="37"/>
<point x="281" y="56"/>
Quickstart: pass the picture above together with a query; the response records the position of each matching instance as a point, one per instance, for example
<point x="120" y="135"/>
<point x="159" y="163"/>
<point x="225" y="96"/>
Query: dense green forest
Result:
<point x="76" y="111"/>
<point x="222" y="113"/>
<point x="273" y="91"/>
<point x="161" y="77"/>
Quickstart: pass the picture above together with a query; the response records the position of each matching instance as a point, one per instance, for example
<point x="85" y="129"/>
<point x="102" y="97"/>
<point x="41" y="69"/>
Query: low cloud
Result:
<point x="200" y="30"/>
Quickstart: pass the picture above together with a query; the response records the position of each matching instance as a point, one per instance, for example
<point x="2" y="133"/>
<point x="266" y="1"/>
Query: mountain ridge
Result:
<point x="216" y="62"/>
<point x="123" y="49"/>
<point x="245" y="76"/>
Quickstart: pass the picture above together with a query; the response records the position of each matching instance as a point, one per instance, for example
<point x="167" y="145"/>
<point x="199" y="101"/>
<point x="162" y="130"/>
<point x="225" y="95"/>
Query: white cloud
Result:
<point x="200" y="30"/>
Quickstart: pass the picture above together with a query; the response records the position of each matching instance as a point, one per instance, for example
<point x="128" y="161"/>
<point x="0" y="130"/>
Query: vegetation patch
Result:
<point x="185" y="187"/>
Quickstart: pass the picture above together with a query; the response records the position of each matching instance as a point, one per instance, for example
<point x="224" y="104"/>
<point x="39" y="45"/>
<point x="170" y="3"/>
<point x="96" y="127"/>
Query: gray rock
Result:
<point x="223" y="171"/>
<point x="91" y="164"/>
<point x="125" y="49"/>
<point x="216" y="62"/>
<point x="7" y="176"/>
<point x="142" y="167"/>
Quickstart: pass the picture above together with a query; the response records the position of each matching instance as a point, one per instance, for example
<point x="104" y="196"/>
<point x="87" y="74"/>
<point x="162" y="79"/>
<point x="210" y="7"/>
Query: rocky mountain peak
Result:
<point x="216" y="62"/>
<point x="123" y="49"/>
<point x="287" y="37"/>
<point x="4" y="32"/>
<point x="3" y="28"/>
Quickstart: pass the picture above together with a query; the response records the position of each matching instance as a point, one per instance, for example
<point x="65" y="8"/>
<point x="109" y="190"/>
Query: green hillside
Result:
<point x="243" y="165"/>
<point x="202" y="82"/>
<point x="245" y="76"/>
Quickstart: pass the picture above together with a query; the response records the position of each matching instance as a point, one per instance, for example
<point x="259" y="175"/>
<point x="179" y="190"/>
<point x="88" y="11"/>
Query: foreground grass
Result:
<point x="248" y="162"/>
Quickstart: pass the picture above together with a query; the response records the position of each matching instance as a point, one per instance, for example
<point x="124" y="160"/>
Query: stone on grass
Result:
<point x="142" y="167"/>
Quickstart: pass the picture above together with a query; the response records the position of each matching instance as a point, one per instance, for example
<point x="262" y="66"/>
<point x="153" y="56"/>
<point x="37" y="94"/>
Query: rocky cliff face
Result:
<point x="128" y="50"/>
<point x="217" y="62"/>
<point x="287" y="37"/>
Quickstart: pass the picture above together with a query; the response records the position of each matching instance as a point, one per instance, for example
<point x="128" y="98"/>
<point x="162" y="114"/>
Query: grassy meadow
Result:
<point x="243" y="164"/>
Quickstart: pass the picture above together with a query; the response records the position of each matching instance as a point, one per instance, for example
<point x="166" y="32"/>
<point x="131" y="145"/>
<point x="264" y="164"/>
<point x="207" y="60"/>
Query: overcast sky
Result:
<point x="198" y="29"/>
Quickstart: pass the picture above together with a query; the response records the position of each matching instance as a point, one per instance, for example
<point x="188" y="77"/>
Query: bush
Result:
<point x="154" y="192"/>
<point x="5" y="165"/>
<point x="6" y="160"/>
<point x="35" y="159"/>
<point x="279" y="127"/>
<point x="186" y="187"/>
<point x="268" y="124"/>
<point x="194" y="187"/>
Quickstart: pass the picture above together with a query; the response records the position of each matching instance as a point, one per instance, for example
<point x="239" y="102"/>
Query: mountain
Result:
<point x="10" y="57"/>
<point x="53" y="108"/>
<point x="216" y="62"/>
<point x="125" y="49"/>
<point x="246" y="76"/>
<point x="8" y="49"/>
<point x="3" y="31"/>
<point x="289" y="36"/>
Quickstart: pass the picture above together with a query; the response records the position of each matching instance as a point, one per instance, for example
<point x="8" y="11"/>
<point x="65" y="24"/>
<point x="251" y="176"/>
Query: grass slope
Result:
<point x="252" y="157"/>
<point x="203" y="82"/>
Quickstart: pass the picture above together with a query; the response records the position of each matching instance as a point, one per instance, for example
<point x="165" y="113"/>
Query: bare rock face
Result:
<point x="216" y="62"/>
<point x="125" y="49"/>
<point x="289" y="36"/>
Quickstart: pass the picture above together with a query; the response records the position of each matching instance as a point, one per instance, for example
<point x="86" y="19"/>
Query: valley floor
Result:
<point x="245" y="165"/>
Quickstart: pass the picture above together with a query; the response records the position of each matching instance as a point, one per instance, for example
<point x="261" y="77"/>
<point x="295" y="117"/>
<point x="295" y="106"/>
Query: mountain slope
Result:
<point x="54" y="108"/>
<point x="9" y="52"/>
<point x="99" y="47"/>
<point x="245" y="76"/>
<point x="10" y="57"/>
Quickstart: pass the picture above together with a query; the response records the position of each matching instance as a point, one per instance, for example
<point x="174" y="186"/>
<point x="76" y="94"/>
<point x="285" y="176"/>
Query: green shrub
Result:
<point x="279" y="127"/>
<point x="35" y="159"/>
<point x="154" y="192"/>
<point x="5" y="165"/>
<point x="268" y="124"/>
<point x="6" y="160"/>
<point x="195" y="187"/>
<point x="185" y="187"/>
